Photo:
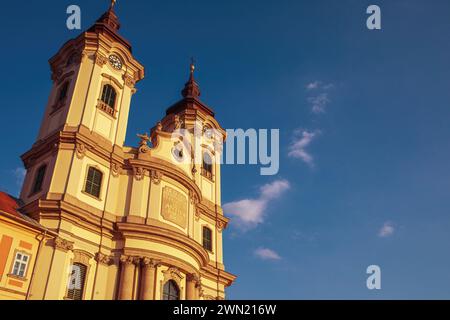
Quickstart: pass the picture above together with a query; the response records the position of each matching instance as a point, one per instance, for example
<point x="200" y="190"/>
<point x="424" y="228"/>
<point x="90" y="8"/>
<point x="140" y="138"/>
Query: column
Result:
<point x="192" y="285"/>
<point x="127" y="277"/>
<point x="148" y="279"/>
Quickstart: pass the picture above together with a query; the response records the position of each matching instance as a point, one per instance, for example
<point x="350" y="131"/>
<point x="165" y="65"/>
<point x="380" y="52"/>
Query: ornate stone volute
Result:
<point x="103" y="258"/>
<point x="192" y="277"/>
<point x="139" y="173"/>
<point x="156" y="176"/>
<point x="150" y="263"/>
<point x="143" y="144"/>
<point x="124" y="259"/>
<point x="62" y="244"/>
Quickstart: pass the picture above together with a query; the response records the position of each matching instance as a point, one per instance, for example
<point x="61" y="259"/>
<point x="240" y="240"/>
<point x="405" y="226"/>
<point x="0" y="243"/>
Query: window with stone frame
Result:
<point x="93" y="183"/>
<point x="171" y="291"/>
<point x="207" y="239"/>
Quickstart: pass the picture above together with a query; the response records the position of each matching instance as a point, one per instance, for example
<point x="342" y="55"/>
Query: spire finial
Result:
<point x="191" y="88"/>
<point x="192" y="65"/>
<point x="110" y="18"/>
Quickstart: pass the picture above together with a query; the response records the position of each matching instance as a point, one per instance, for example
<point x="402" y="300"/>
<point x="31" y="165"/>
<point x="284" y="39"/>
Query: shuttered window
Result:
<point x="76" y="281"/>
<point x="207" y="238"/>
<point x="94" y="182"/>
<point x="171" y="291"/>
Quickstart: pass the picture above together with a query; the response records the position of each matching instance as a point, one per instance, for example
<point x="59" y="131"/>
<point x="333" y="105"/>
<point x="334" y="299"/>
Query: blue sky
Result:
<point x="368" y="184"/>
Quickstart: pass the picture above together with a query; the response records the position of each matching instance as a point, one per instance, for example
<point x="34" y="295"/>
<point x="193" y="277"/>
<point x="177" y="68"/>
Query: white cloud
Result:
<point x="19" y="174"/>
<point x="297" y="149"/>
<point x="249" y="213"/>
<point x="274" y="190"/>
<point x="319" y="85"/>
<point x="319" y="103"/>
<point x="386" y="230"/>
<point x="267" y="254"/>
<point x="313" y="85"/>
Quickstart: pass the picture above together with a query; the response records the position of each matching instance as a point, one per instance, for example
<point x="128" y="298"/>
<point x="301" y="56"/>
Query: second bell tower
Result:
<point x="94" y="77"/>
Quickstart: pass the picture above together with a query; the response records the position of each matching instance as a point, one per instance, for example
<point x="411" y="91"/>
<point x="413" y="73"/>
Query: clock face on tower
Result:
<point x="115" y="62"/>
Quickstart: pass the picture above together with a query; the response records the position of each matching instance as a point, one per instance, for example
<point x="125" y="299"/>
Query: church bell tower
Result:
<point x="94" y="79"/>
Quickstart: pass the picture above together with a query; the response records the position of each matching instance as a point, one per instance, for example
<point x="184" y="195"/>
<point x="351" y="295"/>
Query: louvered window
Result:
<point x="76" y="281"/>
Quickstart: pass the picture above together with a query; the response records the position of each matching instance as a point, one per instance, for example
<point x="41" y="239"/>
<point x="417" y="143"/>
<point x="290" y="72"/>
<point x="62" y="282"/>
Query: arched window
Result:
<point x="94" y="182"/>
<point x="63" y="92"/>
<point x="109" y="96"/>
<point x="207" y="168"/>
<point x="76" y="281"/>
<point x="207" y="238"/>
<point x="39" y="179"/>
<point x="171" y="291"/>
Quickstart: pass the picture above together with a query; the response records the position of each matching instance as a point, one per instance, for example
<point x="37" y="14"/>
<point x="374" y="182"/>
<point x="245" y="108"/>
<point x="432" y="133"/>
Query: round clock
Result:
<point x="115" y="62"/>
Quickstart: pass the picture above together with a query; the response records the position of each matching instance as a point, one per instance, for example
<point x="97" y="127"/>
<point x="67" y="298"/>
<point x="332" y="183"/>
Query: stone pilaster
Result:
<point x="148" y="278"/>
<point x="192" y="287"/>
<point x="127" y="277"/>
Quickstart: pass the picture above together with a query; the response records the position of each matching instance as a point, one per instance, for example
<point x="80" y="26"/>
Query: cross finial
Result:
<point x="113" y="3"/>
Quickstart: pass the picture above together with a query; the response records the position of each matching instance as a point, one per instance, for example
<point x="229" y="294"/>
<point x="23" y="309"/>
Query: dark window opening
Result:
<point x="171" y="291"/>
<point x="94" y="182"/>
<point x="109" y="96"/>
<point x="39" y="180"/>
<point x="207" y="168"/>
<point x="207" y="238"/>
<point x="63" y="92"/>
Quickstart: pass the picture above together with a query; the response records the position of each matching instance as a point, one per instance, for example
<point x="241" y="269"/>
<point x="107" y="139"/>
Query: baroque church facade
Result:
<point x="98" y="220"/>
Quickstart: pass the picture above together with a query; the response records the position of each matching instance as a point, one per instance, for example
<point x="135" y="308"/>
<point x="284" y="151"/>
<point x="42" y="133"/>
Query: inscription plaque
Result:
<point x="174" y="207"/>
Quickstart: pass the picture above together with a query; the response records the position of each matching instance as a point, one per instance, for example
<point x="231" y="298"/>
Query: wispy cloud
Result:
<point x="302" y="139"/>
<point x="313" y="85"/>
<point x="19" y="174"/>
<point x="319" y="103"/>
<point x="321" y="99"/>
<point x="267" y="254"/>
<point x="319" y="85"/>
<point x="249" y="213"/>
<point x="386" y="230"/>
